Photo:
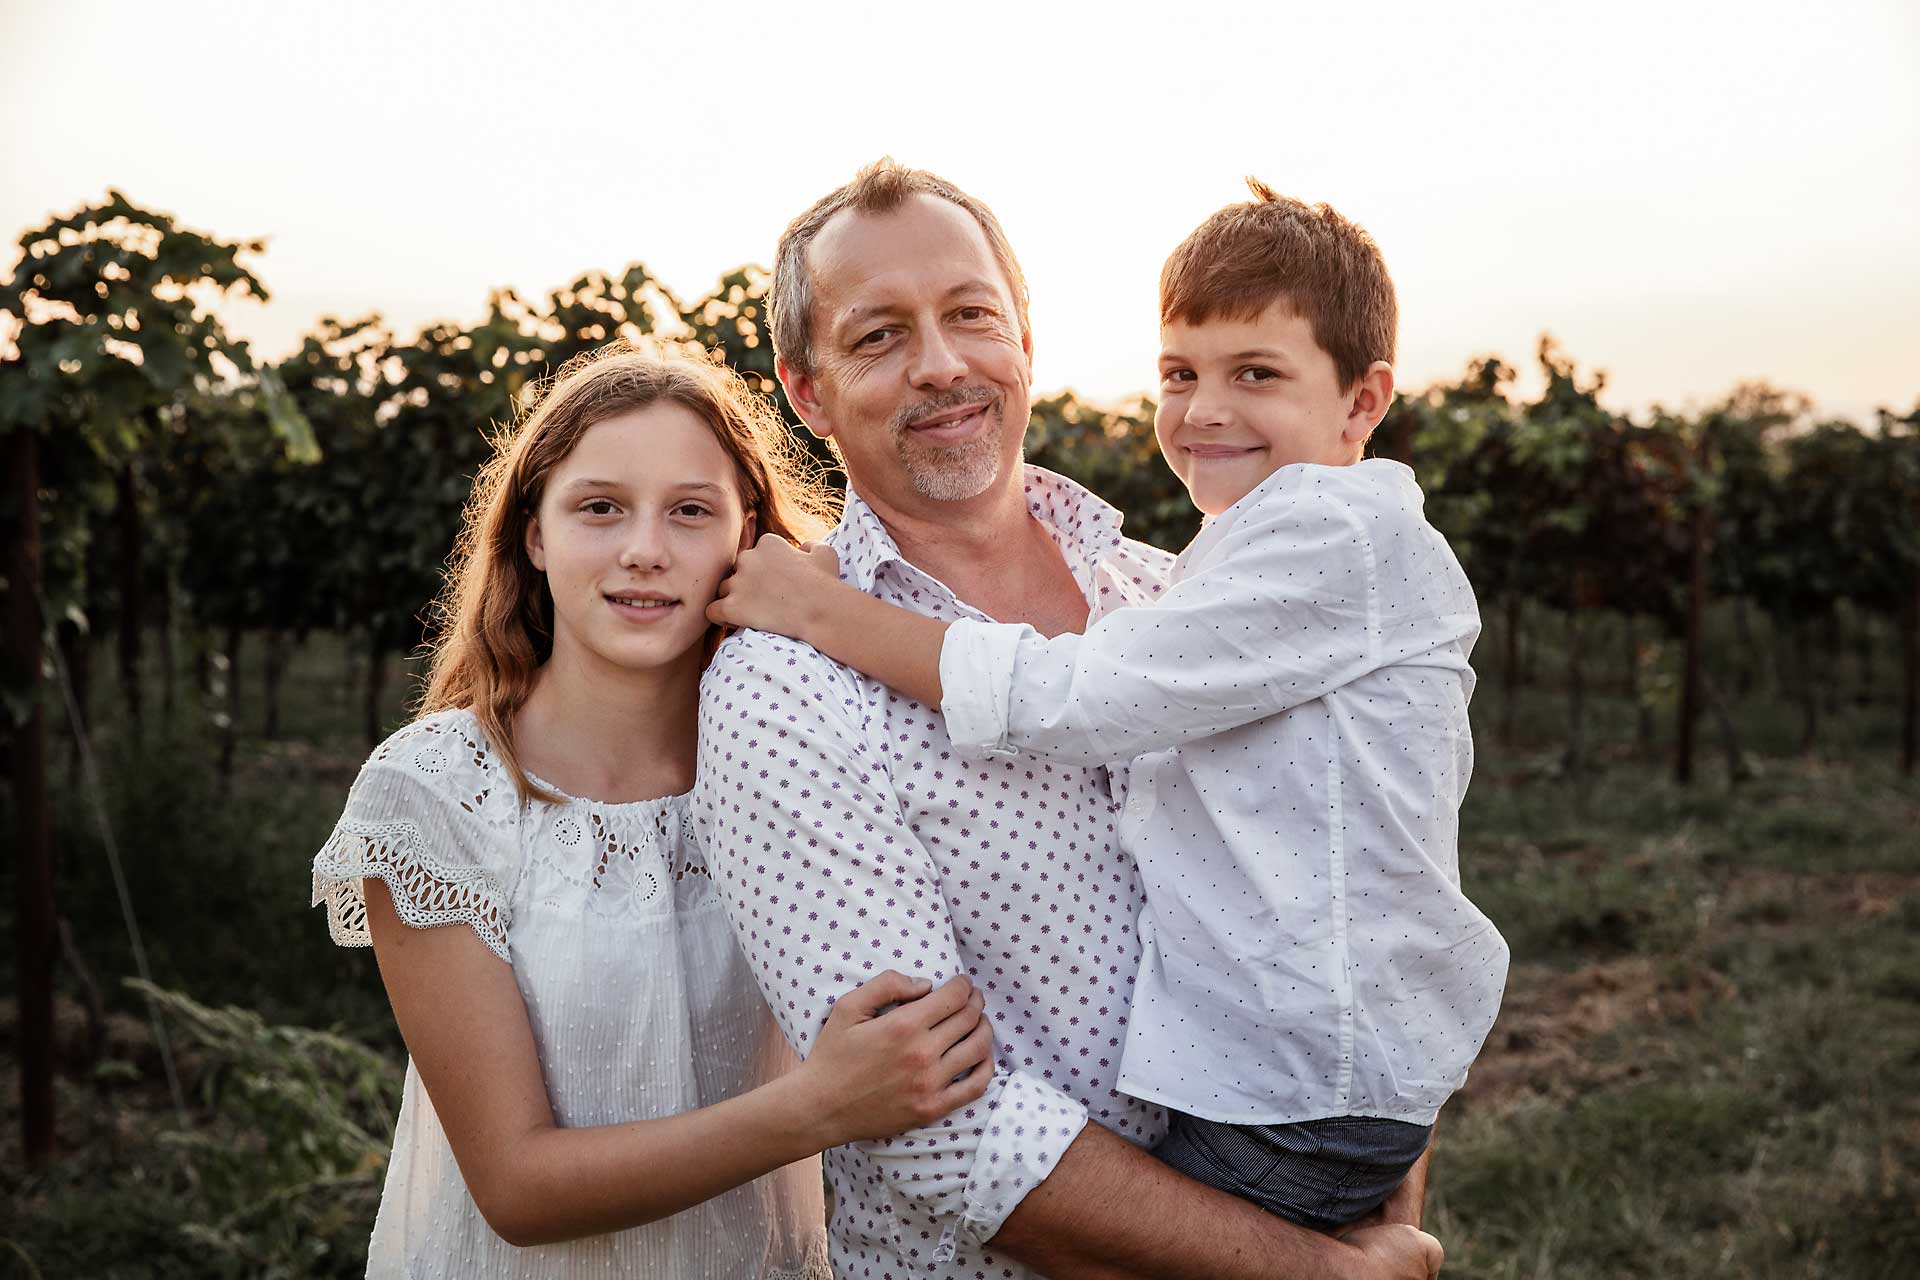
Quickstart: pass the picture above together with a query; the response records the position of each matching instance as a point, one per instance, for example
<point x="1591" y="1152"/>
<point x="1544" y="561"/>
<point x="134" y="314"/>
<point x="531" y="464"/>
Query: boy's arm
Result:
<point x="897" y="647"/>
<point x="1282" y="609"/>
<point x="793" y="591"/>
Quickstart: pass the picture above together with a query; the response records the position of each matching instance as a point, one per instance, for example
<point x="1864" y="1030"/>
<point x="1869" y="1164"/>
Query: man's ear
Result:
<point x="803" y="391"/>
<point x="1026" y="345"/>
<point x="536" y="550"/>
<point x="1371" y="397"/>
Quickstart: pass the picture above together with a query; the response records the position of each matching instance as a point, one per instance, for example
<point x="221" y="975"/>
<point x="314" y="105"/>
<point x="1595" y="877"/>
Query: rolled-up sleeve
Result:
<point x="1277" y="612"/>
<point x="825" y="885"/>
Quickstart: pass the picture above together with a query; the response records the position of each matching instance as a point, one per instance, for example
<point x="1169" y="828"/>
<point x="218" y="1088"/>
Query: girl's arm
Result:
<point x="776" y="586"/>
<point x="871" y="1075"/>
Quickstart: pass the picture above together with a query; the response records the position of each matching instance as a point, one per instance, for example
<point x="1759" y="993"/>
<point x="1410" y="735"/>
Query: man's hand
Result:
<point x="1395" y="1252"/>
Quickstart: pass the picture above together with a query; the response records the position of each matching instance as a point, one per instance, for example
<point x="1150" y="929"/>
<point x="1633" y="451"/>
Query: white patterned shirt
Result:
<point x="1297" y="703"/>
<point x="847" y="837"/>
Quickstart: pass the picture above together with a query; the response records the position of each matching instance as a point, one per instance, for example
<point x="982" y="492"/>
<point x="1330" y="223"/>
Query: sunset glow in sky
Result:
<point x="1685" y="194"/>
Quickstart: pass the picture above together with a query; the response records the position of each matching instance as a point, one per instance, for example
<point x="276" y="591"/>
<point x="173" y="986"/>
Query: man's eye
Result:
<point x="971" y="313"/>
<point x="875" y="338"/>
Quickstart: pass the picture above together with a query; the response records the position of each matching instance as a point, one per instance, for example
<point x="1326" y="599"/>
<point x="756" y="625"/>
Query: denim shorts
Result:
<point x="1318" y="1173"/>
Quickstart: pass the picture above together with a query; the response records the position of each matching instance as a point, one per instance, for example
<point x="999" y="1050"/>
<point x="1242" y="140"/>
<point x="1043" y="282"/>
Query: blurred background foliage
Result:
<point x="1700" y="1070"/>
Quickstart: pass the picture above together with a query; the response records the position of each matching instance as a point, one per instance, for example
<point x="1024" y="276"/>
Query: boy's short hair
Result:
<point x="1247" y="256"/>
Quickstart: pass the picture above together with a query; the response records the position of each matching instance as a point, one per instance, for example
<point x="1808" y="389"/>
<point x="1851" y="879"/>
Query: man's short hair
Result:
<point x="879" y="188"/>
<point x="1247" y="256"/>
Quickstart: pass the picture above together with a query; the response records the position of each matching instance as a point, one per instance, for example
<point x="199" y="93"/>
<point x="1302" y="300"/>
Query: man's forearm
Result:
<point x="1110" y="1209"/>
<point x="1408" y="1203"/>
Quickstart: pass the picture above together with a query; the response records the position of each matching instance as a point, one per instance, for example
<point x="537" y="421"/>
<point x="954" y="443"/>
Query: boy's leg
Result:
<point x="1320" y="1173"/>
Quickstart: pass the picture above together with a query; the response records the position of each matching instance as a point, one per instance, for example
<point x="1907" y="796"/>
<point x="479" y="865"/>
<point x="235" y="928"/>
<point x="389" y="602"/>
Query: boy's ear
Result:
<point x="1371" y="397"/>
<point x="803" y="391"/>
<point x="536" y="550"/>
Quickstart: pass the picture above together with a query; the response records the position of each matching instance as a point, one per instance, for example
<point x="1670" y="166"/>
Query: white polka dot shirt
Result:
<point x="847" y="836"/>
<point x="1295" y="712"/>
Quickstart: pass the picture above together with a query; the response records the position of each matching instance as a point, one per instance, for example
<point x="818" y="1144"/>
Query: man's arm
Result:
<point x="824" y="883"/>
<point x="1110" y="1209"/>
<point x="1408" y="1203"/>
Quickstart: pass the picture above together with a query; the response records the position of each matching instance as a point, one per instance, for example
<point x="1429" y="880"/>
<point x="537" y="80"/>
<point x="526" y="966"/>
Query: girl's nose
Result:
<point x="645" y="546"/>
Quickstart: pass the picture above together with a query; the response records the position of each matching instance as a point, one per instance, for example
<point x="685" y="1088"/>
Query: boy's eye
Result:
<point x="1257" y="373"/>
<point x="1177" y="375"/>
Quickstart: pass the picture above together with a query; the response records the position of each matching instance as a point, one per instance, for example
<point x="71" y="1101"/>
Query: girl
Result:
<point x="594" y="1085"/>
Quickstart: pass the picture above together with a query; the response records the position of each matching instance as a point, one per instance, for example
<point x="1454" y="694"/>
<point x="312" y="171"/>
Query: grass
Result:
<point x="1707" y="1064"/>
<point x="1707" y="1060"/>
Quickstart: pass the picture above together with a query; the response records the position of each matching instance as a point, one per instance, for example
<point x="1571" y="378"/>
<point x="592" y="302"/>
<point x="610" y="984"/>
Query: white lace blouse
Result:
<point x="640" y="1002"/>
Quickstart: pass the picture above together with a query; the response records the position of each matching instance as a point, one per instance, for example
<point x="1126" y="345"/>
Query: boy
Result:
<point x="1291" y="717"/>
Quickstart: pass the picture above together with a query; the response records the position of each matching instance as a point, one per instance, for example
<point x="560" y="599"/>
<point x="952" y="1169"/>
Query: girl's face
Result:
<point x="636" y="528"/>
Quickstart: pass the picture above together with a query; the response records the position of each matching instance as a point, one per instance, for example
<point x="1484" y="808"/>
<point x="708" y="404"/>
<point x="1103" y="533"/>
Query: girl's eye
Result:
<point x="691" y="509"/>
<point x="599" y="507"/>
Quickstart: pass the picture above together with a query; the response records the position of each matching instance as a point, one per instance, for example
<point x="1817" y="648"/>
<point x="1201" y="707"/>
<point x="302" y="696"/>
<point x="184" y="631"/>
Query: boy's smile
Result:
<point x="1239" y="399"/>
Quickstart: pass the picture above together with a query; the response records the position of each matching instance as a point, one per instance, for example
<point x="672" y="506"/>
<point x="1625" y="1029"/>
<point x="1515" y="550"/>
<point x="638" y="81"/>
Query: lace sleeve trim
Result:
<point x="813" y="1267"/>
<point x="425" y="892"/>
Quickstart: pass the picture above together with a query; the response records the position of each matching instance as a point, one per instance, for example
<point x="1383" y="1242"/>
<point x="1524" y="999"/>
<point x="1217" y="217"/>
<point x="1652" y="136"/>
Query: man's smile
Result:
<point x="954" y="425"/>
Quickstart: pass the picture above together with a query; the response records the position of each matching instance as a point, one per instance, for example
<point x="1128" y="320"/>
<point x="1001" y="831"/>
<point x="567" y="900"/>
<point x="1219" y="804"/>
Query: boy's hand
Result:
<point x="776" y="586"/>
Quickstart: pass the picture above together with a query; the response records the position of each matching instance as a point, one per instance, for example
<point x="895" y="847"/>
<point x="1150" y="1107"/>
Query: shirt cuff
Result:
<point x="1031" y="1126"/>
<point x="976" y="686"/>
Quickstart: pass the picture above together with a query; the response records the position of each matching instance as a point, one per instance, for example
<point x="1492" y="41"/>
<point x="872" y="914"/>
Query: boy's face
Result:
<point x="1239" y="399"/>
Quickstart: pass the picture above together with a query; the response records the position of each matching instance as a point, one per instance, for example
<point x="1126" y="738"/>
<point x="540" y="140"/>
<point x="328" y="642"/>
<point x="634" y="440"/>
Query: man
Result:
<point x="846" y="837"/>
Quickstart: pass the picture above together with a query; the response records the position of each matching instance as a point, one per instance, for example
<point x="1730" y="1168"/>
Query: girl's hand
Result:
<point x="874" y="1074"/>
<point x="776" y="586"/>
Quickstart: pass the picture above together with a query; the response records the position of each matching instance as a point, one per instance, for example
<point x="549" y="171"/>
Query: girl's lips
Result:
<point x="648" y="611"/>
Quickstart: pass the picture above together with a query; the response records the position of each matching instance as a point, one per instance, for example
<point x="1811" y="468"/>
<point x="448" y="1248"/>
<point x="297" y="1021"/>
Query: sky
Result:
<point x="1685" y="194"/>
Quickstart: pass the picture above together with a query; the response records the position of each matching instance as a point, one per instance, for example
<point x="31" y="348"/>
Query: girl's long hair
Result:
<point x="493" y="621"/>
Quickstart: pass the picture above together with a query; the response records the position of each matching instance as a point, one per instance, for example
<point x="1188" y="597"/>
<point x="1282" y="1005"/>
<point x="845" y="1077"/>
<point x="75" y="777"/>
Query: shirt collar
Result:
<point x="1085" y="528"/>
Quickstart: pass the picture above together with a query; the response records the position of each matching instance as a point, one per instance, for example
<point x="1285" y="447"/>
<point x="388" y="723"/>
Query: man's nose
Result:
<point x="937" y="363"/>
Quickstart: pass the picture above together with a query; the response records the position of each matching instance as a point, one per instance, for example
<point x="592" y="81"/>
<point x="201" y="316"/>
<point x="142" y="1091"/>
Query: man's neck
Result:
<point x="993" y="554"/>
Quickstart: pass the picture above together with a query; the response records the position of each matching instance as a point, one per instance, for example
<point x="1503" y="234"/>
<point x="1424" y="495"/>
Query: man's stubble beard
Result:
<point x="953" y="473"/>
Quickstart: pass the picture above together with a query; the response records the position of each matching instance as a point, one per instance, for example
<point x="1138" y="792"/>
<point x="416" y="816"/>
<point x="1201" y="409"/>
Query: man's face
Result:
<point x="921" y="370"/>
<point x="1239" y="399"/>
